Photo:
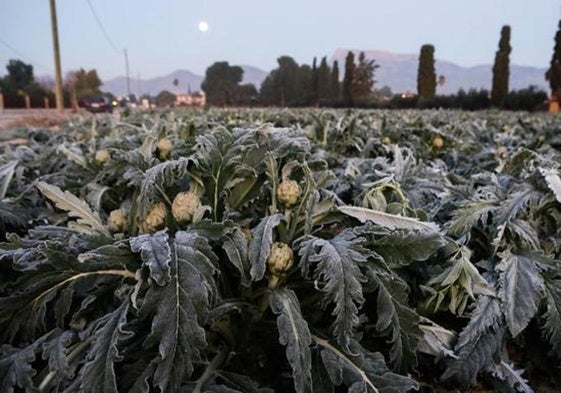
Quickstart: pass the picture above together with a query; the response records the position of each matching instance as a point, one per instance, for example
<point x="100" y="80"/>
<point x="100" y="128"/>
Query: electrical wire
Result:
<point x="22" y="57"/>
<point x="107" y="37"/>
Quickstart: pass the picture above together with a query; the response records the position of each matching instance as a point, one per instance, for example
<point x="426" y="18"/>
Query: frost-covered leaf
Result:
<point x="470" y="214"/>
<point x="16" y="367"/>
<point x="155" y="252"/>
<point x="6" y="174"/>
<point x="55" y="351"/>
<point x="525" y="232"/>
<point x="337" y="263"/>
<point x="259" y="247"/>
<point x="400" y="247"/>
<point x="520" y="285"/>
<point x="180" y="309"/>
<point x="457" y="284"/>
<point x="552" y="317"/>
<point x="360" y="370"/>
<point x="386" y="220"/>
<point x="98" y="374"/>
<point x="236" y="247"/>
<point x="478" y="342"/>
<point x="437" y="340"/>
<point x="295" y="335"/>
<point x="553" y="181"/>
<point x="397" y="320"/>
<point x="506" y="372"/>
<point x="88" y="220"/>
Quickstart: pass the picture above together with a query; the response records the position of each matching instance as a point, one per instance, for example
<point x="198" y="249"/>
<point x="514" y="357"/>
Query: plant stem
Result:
<point x="211" y="368"/>
<point x="79" y="347"/>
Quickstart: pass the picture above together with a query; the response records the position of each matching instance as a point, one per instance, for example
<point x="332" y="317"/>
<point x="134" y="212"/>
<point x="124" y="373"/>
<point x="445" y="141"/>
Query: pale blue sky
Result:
<point x="162" y="35"/>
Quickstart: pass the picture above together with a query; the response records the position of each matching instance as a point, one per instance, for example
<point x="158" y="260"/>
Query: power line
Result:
<point x="107" y="37"/>
<point x="17" y="52"/>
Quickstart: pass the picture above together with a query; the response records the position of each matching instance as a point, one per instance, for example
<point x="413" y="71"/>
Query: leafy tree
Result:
<point x="363" y="80"/>
<point x="247" y="94"/>
<point x="284" y="85"/>
<point x="221" y="83"/>
<point x="499" y="89"/>
<point x="426" y="77"/>
<point x="335" y="88"/>
<point x="348" y="79"/>
<point x="83" y="84"/>
<point x="165" y="98"/>
<point x="20" y="75"/>
<point x="553" y="74"/>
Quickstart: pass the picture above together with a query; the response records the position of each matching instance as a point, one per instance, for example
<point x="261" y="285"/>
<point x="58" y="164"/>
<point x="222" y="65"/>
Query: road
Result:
<point x="19" y="117"/>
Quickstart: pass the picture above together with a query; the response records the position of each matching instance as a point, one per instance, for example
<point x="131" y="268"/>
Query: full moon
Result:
<point x="203" y="26"/>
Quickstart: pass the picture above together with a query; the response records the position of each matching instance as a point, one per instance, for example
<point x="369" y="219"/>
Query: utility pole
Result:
<point x="58" y="71"/>
<point x="128" y="73"/>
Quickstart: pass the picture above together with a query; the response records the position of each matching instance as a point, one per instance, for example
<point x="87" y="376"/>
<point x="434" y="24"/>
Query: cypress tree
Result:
<point x="314" y="96"/>
<point x="553" y="74"/>
<point x="501" y="73"/>
<point x="323" y="80"/>
<point x="426" y="77"/>
<point x="348" y="79"/>
<point x="335" y="84"/>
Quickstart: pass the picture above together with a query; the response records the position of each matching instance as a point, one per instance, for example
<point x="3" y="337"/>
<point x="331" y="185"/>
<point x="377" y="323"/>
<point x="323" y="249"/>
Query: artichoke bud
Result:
<point x="117" y="220"/>
<point x="281" y="259"/>
<point x="101" y="156"/>
<point x="155" y="219"/>
<point x="288" y="193"/>
<point x="164" y="148"/>
<point x="438" y="142"/>
<point x="184" y="207"/>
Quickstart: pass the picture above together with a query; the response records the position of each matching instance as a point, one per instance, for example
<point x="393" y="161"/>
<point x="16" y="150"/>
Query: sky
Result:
<point x="161" y="36"/>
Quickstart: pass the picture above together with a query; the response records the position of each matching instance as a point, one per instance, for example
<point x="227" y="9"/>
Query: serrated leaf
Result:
<point x="390" y="221"/>
<point x="469" y="214"/>
<point x="55" y="352"/>
<point x="180" y="310"/>
<point x="400" y="247"/>
<point x="16" y="367"/>
<point x="88" y="220"/>
<point x="260" y="245"/>
<point x="552" y="317"/>
<point x="553" y="181"/>
<point x="398" y="321"/>
<point x="6" y="174"/>
<point x="511" y="376"/>
<point x="98" y="374"/>
<point x="236" y="247"/>
<point x="336" y="263"/>
<point x="155" y="252"/>
<point x="295" y="335"/>
<point x="437" y="340"/>
<point x="360" y="370"/>
<point x="519" y="290"/>
<point x="478" y="342"/>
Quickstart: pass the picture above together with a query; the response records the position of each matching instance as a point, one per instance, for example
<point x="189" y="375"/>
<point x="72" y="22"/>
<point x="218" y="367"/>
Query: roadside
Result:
<point x="12" y="118"/>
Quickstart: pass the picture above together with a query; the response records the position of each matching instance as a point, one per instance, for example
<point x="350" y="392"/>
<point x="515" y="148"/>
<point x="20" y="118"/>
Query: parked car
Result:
<point x="99" y="104"/>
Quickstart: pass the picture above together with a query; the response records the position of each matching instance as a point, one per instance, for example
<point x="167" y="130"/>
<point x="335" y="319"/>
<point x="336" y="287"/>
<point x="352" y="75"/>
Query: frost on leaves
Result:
<point x="179" y="310"/>
<point x="336" y="263"/>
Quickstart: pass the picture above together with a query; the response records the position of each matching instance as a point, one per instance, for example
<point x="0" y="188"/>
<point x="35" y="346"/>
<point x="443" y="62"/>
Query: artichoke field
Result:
<point x="290" y="251"/>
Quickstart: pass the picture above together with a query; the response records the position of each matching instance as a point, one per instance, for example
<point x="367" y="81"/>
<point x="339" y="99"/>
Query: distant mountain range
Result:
<point x="187" y="80"/>
<point x="398" y="71"/>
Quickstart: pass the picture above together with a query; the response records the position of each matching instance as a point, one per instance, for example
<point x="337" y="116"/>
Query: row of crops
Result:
<point x="275" y="250"/>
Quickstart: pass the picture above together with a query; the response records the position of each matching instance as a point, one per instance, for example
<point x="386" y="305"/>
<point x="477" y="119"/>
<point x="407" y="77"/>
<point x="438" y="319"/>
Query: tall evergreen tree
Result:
<point x="323" y="80"/>
<point x="314" y="96"/>
<point x="553" y="74"/>
<point x="283" y="85"/>
<point x="501" y="72"/>
<point x="426" y="77"/>
<point x="335" y="89"/>
<point x="363" y="80"/>
<point x="348" y="79"/>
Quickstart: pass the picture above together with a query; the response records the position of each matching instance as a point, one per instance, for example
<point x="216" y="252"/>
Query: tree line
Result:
<point x="20" y="84"/>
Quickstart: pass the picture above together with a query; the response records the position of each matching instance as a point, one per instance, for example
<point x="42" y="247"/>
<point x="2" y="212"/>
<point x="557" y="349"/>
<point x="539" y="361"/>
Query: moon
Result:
<point x="203" y="26"/>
